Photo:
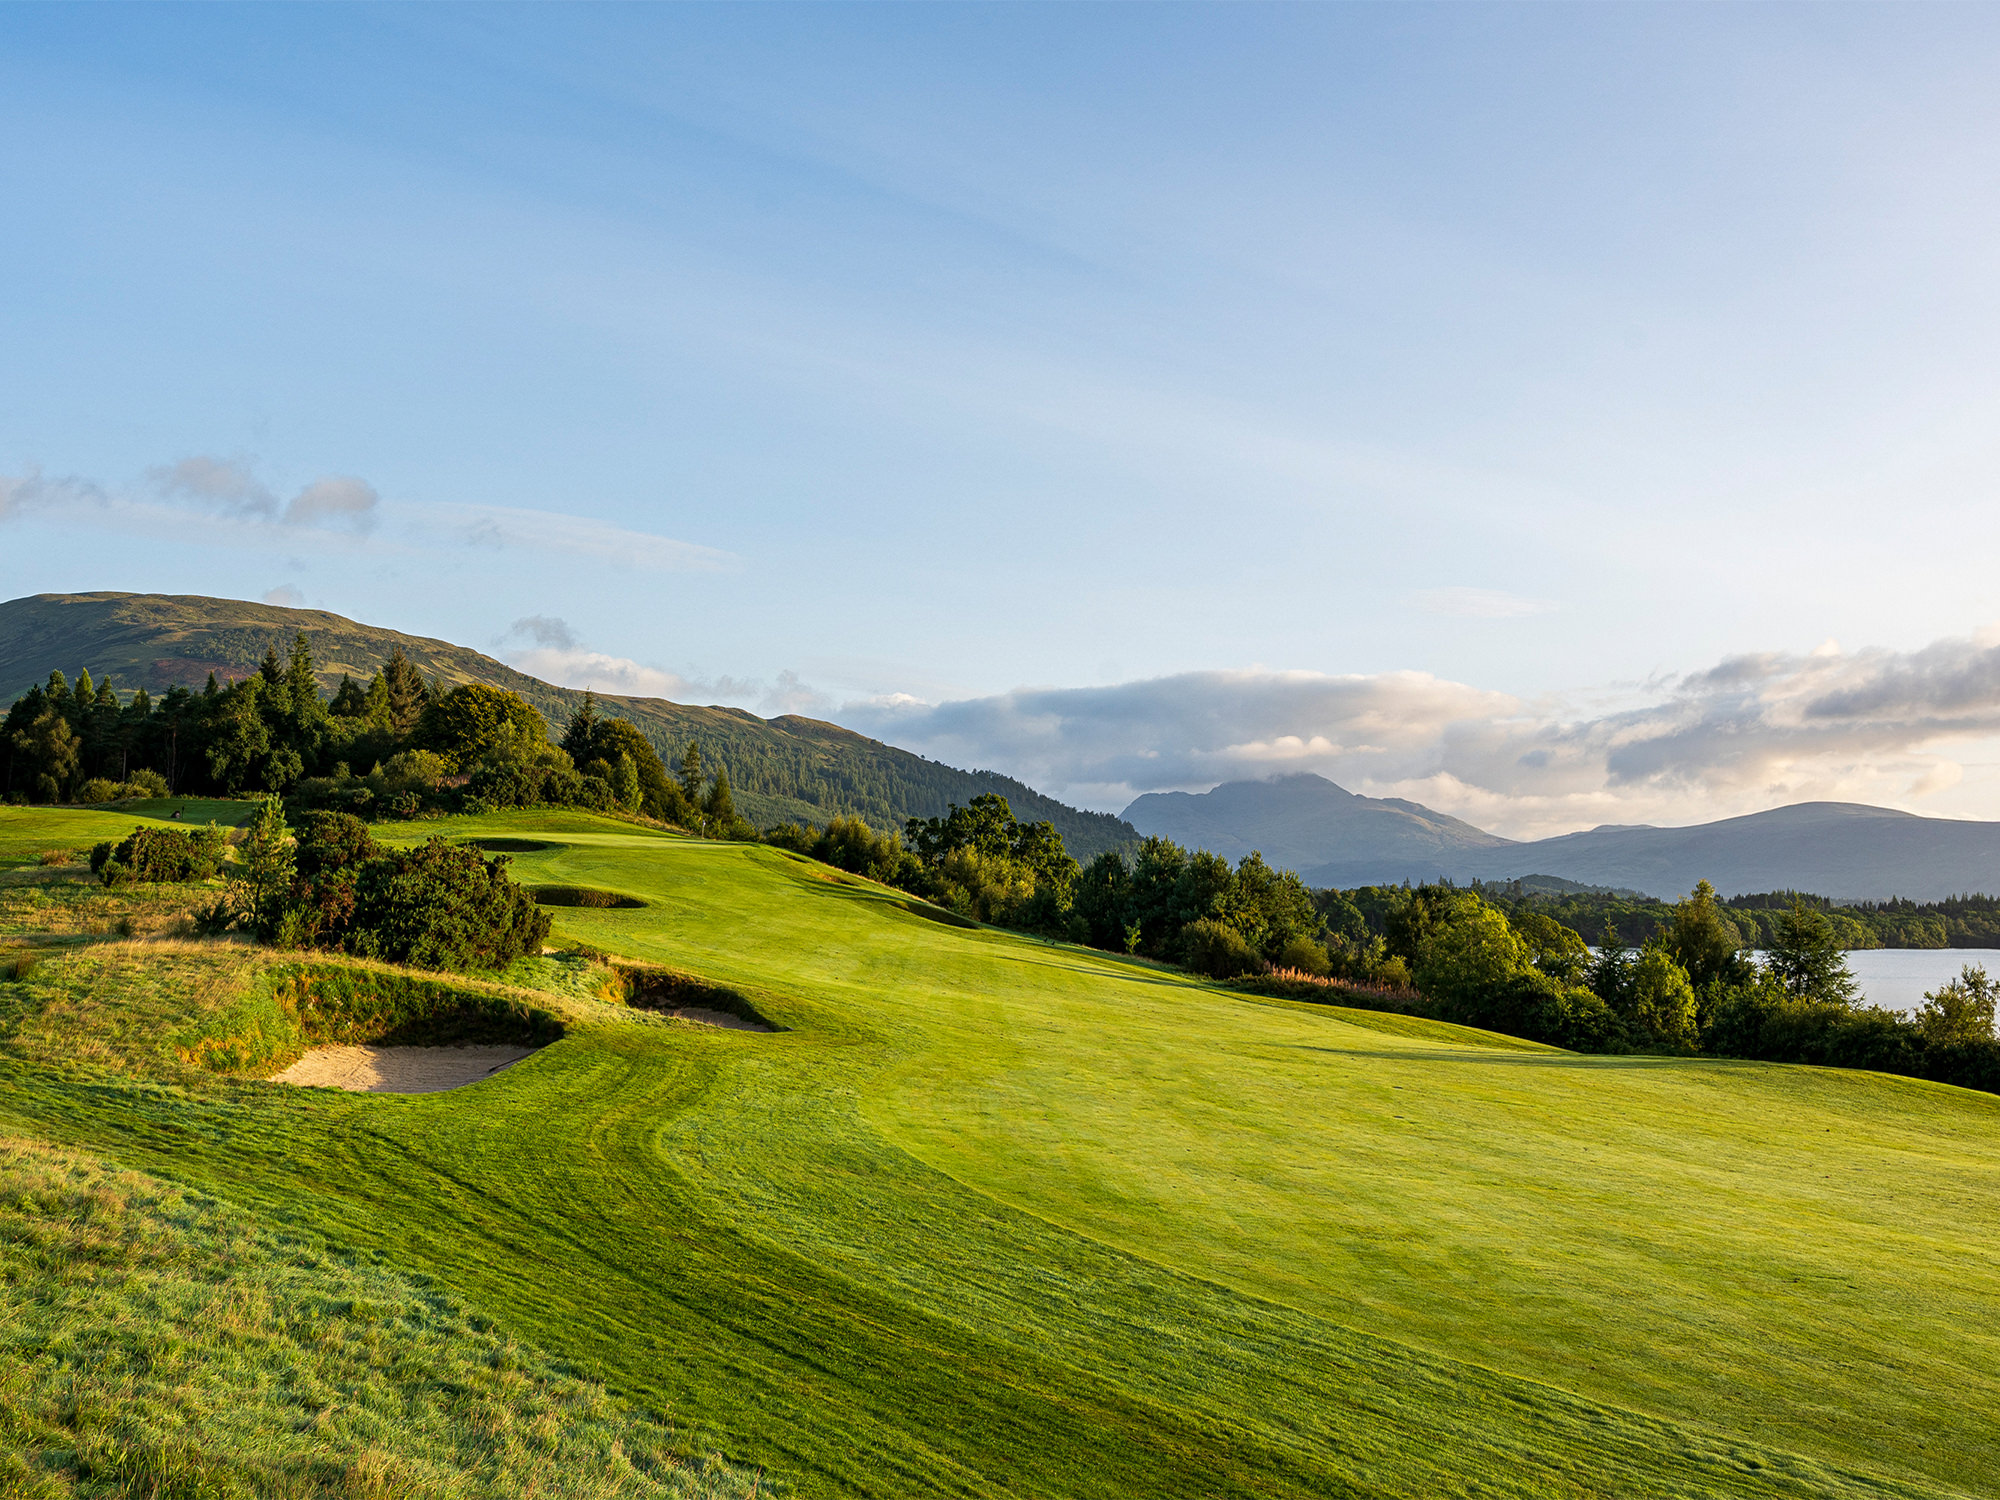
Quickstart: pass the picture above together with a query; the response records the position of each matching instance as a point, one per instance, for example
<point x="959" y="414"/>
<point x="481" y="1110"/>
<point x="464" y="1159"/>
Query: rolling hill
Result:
<point x="784" y="768"/>
<point x="1333" y="838"/>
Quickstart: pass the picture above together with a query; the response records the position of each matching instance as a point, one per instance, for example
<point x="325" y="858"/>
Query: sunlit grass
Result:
<point x="1000" y="1216"/>
<point x="155" y="1342"/>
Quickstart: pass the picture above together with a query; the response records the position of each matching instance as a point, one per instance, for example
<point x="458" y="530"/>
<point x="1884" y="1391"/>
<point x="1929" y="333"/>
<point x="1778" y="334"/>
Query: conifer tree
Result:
<point x="691" y="775"/>
<point x="407" y="693"/>
<point x="579" y="739"/>
<point x="720" y="807"/>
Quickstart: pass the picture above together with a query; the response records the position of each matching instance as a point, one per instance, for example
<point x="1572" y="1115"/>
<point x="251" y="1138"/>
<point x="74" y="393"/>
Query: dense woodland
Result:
<point x="397" y="746"/>
<point x="1960" y="922"/>
<point x="786" y="768"/>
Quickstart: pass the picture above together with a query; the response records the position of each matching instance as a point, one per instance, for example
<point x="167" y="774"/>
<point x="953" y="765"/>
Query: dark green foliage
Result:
<point x="1217" y="950"/>
<point x="596" y="754"/>
<point x="160" y="854"/>
<point x="474" y="722"/>
<point x="786" y="769"/>
<point x="1957" y="922"/>
<point x="1805" y="958"/>
<point x="332" y="841"/>
<point x="1961" y="1011"/>
<point x="850" y="844"/>
<point x="441" y="906"/>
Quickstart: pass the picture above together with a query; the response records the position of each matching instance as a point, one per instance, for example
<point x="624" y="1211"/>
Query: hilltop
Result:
<point x="1332" y="837"/>
<point x="785" y="768"/>
<point x="1297" y="821"/>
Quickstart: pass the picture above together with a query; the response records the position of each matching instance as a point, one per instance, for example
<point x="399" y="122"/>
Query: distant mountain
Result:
<point x="1305" y="822"/>
<point x="1332" y="837"/>
<point x="1838" y="849"/>
<point x="790" y="767"/>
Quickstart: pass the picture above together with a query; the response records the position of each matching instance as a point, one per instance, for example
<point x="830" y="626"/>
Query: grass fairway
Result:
<point x="25" y="832"/>
<point x="1003" y="1217"/>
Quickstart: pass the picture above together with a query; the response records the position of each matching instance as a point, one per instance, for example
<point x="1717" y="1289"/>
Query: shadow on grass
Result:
<point x="1498" y="1057"/>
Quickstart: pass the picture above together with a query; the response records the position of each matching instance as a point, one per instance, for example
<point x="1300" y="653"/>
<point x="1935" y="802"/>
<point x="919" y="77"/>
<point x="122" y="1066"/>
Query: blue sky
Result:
<point x="1556" y="414"/>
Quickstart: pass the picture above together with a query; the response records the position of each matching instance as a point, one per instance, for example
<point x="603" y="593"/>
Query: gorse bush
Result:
<point x="438" y="906"/>
<point x="159" y="854"/>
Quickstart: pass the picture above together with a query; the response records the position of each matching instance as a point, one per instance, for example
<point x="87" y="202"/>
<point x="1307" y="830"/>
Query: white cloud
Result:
<point x="285" y="597"/>
<point x="225" y="485"/>
<point x="577" y="668"/>
<point x="23" y="494"/>
<point x="1750" y="732"/>
<point x="544" y="630"/>
<point x="339" y="500"/>
<point x="578" y="536"/>
<point x="230" y="488"/>
<point x="560" y="656"/>
<point x="1480" y="604"/>
<point x="336" y="510"/>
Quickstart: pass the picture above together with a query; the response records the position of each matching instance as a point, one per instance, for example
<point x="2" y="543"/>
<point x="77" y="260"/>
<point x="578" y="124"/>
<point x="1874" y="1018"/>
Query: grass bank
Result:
<point x="155" y="1342"/>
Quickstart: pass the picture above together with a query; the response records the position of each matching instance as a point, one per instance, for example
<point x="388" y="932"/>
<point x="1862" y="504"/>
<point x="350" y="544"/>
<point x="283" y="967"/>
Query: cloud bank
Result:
<point x="1751" y="732"/>
<point x="547" y="647"/>
<point x="218" y="500"/>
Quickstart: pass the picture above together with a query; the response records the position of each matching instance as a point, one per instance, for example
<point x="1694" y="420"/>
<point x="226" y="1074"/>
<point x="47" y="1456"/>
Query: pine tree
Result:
<point x="579" y="739"/>
<point x="720" y="807"/>
<point x="349" y="702"/>
<point x="407" y="693"/>
<point x="691" y="775"/>
<point x="300" y="675"/>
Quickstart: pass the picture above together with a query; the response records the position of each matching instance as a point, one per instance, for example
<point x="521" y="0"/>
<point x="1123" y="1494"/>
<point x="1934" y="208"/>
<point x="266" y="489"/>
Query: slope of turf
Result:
<point x="156" y="1343"/>
<point x="26" y="832"/>
<point x="996" y="1216"/>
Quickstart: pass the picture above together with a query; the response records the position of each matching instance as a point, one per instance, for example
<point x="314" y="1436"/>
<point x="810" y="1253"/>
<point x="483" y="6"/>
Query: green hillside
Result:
<point x="785" y="768"/>
<point x="1001" y="1217"/>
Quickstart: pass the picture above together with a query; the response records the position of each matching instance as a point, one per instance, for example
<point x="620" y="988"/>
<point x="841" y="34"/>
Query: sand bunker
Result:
<point x="720" y="1018"/>
<point x="400" y="1070"/>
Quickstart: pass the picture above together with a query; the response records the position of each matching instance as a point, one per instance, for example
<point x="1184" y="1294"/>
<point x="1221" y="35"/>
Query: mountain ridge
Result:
<point x="1847" y="850"/>
<point x="790" y="767"/>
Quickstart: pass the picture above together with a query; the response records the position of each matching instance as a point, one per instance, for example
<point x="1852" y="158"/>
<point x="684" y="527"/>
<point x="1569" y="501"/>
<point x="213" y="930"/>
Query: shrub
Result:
<point x="1961" y="1011"/>
<point x="1304" y="956"/>
<point x="159" y="854"/>
<point x="97" y="789"/>
<point x="1217" y="950"/>
<point x="443" y="907"/>
<point x="147" y="784"/>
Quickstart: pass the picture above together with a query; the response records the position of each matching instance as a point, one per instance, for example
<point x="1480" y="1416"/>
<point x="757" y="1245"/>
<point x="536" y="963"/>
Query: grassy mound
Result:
<point x="157" y="1343"/>
<point x="184" y="1010"/>
<point x="998" y="1217"/>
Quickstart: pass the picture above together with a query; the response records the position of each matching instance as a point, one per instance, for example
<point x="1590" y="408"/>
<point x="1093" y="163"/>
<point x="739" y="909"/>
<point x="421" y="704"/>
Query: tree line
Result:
<point x="397" y="746"/>
<point x="1690" y="987"/>
<point x="1968" y="921"/>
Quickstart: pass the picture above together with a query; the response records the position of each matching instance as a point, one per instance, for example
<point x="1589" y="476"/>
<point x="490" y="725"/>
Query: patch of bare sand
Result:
<point x="399" y="1070"/>
<point x="720" y="1018"/>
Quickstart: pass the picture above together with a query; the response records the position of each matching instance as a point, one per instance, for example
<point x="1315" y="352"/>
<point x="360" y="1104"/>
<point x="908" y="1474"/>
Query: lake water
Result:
<point x="1896" y="978"/>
